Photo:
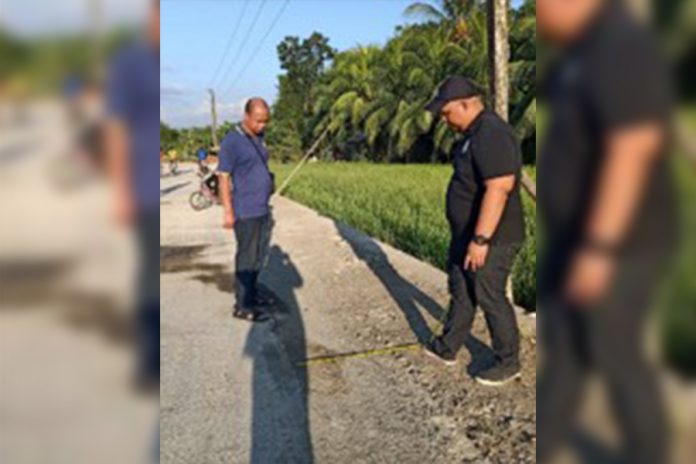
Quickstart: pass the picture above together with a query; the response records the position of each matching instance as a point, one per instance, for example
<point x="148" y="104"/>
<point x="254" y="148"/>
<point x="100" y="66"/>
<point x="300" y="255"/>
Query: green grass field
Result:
<point x="402" y="205"/>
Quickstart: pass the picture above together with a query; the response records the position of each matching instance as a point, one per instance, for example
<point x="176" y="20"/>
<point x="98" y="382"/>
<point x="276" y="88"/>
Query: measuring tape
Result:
<point x="359" y="354"/>
<point x="374" y="352"/>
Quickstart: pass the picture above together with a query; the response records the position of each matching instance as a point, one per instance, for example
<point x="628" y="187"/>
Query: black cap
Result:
<point x="452" y="88"/>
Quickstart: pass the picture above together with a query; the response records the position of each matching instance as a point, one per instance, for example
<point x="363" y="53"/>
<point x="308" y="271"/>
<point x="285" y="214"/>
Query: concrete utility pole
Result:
<point x="499" y="55"/>
<point x="499" y="76"/>
<point x="213" y="113"/>
<point x="95" y="18"/>
<point x="498" y="68"/>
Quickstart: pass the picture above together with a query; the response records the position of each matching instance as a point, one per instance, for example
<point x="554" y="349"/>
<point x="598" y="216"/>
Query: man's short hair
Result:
<point x="254" y="102"/>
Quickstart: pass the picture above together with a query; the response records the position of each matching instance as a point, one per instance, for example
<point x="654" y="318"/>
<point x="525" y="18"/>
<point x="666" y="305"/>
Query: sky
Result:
<point x="195" y="34"/>
<point x="31" y="18"/>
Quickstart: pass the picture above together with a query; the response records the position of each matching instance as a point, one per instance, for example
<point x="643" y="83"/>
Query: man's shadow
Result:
<point x="280" y="410"/>
<point x="407" y="296"/>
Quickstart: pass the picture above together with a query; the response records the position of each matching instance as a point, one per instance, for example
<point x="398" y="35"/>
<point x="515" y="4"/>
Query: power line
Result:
<point x="246" y="38"/>
<point x="229" y="44"/>
<point x="260" y="44"/>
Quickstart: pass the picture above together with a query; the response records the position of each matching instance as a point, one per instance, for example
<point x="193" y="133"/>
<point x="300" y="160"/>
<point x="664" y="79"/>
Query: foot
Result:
<point x="432" y="351"/>
<point x="264" y="301"/>
<point x="251" y="315"/>
<point x="498" y="375"/>
<point x="146" y="383"/>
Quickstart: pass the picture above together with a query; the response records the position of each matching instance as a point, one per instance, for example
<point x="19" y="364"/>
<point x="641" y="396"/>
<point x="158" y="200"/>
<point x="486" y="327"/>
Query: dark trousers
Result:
<point x="484" y="288"/>
<point x="253" y="240"/>
<point x="148" y="298"/>
<point x="605" y="338"/>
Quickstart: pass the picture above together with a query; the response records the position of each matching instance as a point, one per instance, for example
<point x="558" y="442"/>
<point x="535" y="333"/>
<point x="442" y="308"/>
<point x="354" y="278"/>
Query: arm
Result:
<point x="630" y="156"/>
<point x="495" y="198"/>
<point x="493" y="205"/>
<point x="118" y="168"/>
<point x="226" y="196"/>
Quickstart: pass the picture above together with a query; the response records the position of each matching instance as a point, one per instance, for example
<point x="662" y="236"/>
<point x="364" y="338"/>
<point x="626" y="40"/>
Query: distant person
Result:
<point x="202" y="156"/>
<point x="173" y="157"/>
<point x="244" y="162"/>
<point x="132" y="139"/>
<point x="608" y="214"/>
<point x="484" y="210"/>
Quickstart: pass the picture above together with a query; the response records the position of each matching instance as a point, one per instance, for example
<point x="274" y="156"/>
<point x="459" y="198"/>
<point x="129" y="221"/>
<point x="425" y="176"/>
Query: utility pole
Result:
<point x="213" y="113"/>
<point x="499" y="55"/>
<point x="499" y="76"/>
<point x="95" y="17"/>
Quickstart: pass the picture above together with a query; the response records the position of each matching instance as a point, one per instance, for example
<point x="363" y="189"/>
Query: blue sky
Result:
<point x="195" y="34"/>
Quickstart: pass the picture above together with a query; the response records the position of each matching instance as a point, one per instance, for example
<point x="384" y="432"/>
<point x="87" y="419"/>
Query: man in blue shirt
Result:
<point x="201" y="155"/>
<point x="132" y="134"/>
<point x="244" y="162"/>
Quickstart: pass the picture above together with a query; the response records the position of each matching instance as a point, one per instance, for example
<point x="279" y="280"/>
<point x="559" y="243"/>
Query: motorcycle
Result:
<point x="208" y="193"/>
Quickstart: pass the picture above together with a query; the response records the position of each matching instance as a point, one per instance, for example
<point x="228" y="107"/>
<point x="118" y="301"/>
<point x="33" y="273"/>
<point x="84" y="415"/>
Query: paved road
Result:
<point x="233" y="393"/>
<point x="65" y="274"/>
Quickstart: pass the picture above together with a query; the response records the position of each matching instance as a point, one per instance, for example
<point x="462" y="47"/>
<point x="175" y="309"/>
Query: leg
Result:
<point x="562" y="376"/>
<point x="247" y="232"/>
<point x="148" y="304"/>
<point x="490" y="286"/>
<point x="616" y="343"/>
<point x="266" y="231"/>
<point x="461" y="313"/>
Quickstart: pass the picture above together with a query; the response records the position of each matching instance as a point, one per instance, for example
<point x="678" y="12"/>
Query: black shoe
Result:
<point x="498" y="375"/>
<point x="251" y="315"/>
<point x="431" y="350"/>
<point x="264" y="301"/>
<point x="146" y="383"/>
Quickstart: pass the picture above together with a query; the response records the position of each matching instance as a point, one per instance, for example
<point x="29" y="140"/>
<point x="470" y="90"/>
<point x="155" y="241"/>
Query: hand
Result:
<point x="590" y="276"/>
<point x="124" y="210"/>
<point x="229" y="221"/>
<point x="476" y="257"/>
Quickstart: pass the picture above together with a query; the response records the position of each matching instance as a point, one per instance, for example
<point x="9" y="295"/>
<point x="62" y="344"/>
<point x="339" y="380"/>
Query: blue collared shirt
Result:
<point x="246" y="159"/>
<point x="133" y="98"/>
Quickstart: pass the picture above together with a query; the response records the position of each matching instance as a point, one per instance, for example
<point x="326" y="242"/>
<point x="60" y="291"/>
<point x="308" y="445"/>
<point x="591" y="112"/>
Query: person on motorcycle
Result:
<point x="202" y="156"/>
<point x="173" y="156"/>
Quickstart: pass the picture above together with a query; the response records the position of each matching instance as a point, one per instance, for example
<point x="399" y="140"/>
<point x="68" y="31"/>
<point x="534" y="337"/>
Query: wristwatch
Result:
<point x="481" y="240"/>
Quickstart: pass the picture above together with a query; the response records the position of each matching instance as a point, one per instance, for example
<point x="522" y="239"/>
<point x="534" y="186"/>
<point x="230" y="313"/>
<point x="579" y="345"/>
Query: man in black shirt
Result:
<point x="484" y="210"/>
<point x="607" y="210"/>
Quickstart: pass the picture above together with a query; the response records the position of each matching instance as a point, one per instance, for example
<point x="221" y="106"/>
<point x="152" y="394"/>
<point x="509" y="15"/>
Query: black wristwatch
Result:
<point x="481" y="240"/>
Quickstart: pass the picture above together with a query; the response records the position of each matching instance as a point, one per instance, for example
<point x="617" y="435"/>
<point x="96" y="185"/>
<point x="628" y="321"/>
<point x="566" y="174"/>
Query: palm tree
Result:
<point x="381" y="93"/>
<point x="523" y="70"/>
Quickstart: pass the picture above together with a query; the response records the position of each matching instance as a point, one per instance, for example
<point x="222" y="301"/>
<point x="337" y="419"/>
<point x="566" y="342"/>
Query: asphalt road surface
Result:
<point x="233" y="392"/>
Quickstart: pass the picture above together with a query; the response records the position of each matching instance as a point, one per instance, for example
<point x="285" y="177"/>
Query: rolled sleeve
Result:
<point x="226" y="162"/>
<point x="496" y="155"/>
<point x="118" y="89"/>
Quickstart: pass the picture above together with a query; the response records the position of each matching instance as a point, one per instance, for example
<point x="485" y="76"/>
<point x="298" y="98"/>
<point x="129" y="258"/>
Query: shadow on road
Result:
<point x="280" y="411"/>
<point x="166" y="191"/>
<point x="408" y="297"/>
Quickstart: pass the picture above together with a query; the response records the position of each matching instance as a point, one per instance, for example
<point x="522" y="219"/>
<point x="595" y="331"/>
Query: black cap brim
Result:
<point x="435" y="106"/>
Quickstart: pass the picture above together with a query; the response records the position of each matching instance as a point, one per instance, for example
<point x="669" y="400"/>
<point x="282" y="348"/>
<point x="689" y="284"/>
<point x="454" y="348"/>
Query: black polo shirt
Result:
<point x="612" y="78"/>
<point x="488" y="149"/>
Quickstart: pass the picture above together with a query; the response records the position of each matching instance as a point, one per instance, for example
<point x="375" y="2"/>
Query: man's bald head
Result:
<point x="257" y="113"/>
<point x="254" y="103"/>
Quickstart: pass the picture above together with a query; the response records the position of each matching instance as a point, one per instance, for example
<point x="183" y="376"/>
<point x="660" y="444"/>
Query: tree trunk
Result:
<point x="499" y="56"/>
<point x="498" y="68"/>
